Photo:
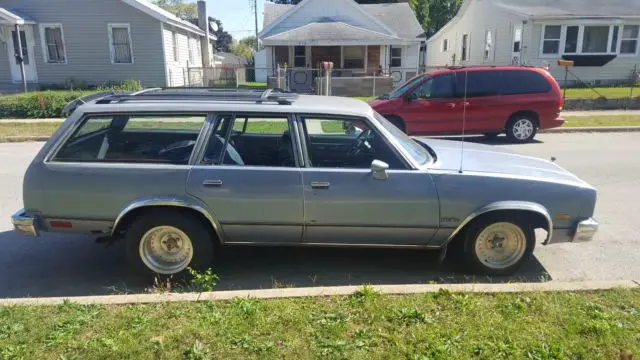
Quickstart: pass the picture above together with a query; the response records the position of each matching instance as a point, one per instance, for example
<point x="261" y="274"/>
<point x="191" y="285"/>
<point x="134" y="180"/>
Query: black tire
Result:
<point x="471" y="236"/>
<point x="397" y="122"/>
<point x="199" y="235"/>
<point x="514" y="132"/>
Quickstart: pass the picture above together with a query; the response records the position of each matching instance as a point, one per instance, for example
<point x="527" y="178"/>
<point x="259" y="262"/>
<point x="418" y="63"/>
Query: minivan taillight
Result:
<point x="560" y="104"/>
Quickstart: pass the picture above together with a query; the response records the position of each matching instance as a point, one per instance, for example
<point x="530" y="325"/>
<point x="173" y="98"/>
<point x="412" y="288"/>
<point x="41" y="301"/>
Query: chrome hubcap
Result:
<point x="501" y="245"/>
<point x="166" y="250"/>
<point x="523" y="129"/>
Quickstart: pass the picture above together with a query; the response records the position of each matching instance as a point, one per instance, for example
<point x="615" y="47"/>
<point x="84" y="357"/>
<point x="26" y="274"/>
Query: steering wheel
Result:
<point x="361" y="143"/>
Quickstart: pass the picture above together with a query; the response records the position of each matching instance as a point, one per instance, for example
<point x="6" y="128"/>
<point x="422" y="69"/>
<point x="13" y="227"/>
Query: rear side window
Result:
<point x="516" y="82"/>
<point x="152" y="139"/>
<point x="478" y="83"/>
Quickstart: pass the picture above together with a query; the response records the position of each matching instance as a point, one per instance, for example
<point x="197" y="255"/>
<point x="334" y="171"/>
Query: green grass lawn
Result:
<point x="612" y="93"/>
<point x="594" y="325"/>
<point x="594" y="121"/>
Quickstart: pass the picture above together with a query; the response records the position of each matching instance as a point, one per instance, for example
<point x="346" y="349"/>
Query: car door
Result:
<point x="344" y="203"/>
<point x="255" y="190"/>
<point x="432" y="108"/>
<point x="479" y="93"/>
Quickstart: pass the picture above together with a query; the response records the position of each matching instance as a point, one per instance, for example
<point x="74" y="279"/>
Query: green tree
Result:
<point x="250" y="41"/>
<point x="243" y="50"/>
<point x="180" y="8"/>
<point x="440" y="13"/>
<point x="421" y="9"/>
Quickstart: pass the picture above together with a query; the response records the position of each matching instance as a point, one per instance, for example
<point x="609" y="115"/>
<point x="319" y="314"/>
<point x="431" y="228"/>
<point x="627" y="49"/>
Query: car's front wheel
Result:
<point x="522" y="129"/>
<point x="167" y="243"/>
<point x="498" y="245"/>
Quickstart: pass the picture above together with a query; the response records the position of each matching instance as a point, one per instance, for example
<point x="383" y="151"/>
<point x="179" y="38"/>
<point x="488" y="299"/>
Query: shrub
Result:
<point x="49" y="104"/>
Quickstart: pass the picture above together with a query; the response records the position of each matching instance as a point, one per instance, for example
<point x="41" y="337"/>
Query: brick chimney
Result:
<point x="203" y="24"/>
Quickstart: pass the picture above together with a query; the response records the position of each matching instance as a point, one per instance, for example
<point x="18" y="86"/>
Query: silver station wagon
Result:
<point x="178" y="173"/>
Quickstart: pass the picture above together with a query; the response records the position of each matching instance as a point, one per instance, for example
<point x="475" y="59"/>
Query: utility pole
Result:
<point x="255" y="12"/>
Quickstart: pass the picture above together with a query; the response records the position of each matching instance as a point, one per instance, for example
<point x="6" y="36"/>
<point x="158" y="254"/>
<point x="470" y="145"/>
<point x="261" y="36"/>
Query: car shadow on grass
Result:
<point x="62" y="265"/>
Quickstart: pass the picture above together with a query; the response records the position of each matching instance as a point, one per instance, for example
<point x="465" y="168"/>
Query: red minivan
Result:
<point x="482" y="100"/>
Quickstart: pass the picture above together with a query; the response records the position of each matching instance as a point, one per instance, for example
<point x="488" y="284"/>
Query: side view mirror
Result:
<point x="412" y="97"/>
<point x="379" y="170"/>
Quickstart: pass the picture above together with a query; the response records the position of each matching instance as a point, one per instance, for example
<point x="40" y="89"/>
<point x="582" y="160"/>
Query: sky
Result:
<point x="236" y="16"/>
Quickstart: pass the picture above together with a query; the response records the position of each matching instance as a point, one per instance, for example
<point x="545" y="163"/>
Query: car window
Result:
<point x="402" y="89"/>
<point x="417" y="152"/>
<point x="346" y="143"/>
<point x="152" y="139"/>
<point x="250" y="140"/>
<point x="438" y="87"/>
<point x="515" y="82"/>
<point x="478" y="83"/>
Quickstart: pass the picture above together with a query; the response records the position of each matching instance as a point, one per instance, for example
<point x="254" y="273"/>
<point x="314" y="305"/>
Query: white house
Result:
<point x="601" y="37"/>
<point x="359" y="39"/>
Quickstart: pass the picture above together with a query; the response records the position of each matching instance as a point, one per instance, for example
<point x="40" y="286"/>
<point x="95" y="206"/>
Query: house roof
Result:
<point x="164" y="16"/>
<point x="14" y="17"/>
<point x="572" y="8"/>
<point x="329" y="33"/>
<point x="398" y="17"/>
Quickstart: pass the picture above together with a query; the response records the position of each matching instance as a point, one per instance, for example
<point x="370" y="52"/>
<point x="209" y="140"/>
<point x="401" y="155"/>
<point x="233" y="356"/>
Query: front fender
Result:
<point x="506" y="205"/>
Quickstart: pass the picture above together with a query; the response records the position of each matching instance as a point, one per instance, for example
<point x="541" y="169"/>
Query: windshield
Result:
<point x="404" y="88"/>
<point x="417" y="152"/>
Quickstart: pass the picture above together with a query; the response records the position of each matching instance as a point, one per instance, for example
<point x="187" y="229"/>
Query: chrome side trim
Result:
<point x="507" y="205"/>
<point x="170" y="201"/>
<point x="334" y="245"/>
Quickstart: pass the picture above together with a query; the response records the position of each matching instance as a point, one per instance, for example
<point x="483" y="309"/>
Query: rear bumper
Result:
<point x="583" y="231"/>
<point x="551" y="124"/>
<point x="25" y="224"/>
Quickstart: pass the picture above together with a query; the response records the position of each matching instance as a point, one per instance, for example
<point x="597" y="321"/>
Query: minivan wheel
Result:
<point x="168" y="243"/>
<point x="498" y="245"/>
<point x="522" y="129"/>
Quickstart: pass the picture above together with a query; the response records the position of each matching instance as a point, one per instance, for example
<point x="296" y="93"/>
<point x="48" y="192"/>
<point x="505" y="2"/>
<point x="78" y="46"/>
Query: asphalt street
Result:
<point x="60" y="265"/>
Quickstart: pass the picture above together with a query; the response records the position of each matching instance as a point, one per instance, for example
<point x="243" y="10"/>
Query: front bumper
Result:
<point x="583" y="231"/>
<point x="25" y="224"/>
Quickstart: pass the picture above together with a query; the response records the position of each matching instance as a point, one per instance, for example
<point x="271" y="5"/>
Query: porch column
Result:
<point x="366" y="60"/>
<point x="21" y="59"/>
<point x="341" y="57"/>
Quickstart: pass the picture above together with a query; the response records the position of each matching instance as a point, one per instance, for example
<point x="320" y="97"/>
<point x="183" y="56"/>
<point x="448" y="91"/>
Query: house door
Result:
<point x="516" y="57"/>
<point x="26" y="38"/>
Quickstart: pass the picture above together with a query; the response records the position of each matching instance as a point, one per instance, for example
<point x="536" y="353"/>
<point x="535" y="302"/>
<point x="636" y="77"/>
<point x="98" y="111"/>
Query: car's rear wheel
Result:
<point x="522" y="129"/>
<point x="498" y="245"/>
<point x="168" y="243"/>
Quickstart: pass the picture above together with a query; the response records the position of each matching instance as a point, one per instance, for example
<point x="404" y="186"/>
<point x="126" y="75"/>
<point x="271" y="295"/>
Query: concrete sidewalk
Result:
<point x="327" y="291"/>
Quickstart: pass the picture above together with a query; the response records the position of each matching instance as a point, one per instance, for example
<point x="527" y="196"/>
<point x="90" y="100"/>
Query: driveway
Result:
<point x="56" y="265"/>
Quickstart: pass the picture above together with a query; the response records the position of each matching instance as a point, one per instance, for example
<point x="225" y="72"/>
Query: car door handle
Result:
<point x="466" y="103"/>
<point x="451" y="105"/>
<point x="212" y="183"/>
<point x="320" y="185"/>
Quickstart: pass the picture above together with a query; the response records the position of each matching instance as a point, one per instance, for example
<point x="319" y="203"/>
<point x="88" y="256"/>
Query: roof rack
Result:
<point x="73" y="105"/>
<point x="203" y="94"/>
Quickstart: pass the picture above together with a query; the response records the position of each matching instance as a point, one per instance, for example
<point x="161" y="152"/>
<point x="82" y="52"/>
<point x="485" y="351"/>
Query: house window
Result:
<point x="299" y="56"/>
<point x="551" y="41"/>
<point x="396" y="56"/>
<point x="465" y="47"/>
<point x="630" y="39"/>
<point x="488" y="45"/>
<point x="571" y="40"/>
<point x="176" y="48"/>
<point x="595" y="39"/>
<point x="445" y="45"/>
<point x="120" y="44"/>
<point x="354" y="57"/>
<point x="53" y="44"/>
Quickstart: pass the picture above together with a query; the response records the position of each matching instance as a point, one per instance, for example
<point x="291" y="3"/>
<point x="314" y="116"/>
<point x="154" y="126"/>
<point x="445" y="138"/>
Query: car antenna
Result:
<point x="464" y="120"/>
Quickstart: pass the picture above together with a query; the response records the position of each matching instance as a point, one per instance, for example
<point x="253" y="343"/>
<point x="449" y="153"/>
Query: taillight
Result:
<point x="560" y="104"/>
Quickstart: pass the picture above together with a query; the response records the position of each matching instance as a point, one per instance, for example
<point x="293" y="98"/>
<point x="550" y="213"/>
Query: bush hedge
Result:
<point x="49" y="104"/>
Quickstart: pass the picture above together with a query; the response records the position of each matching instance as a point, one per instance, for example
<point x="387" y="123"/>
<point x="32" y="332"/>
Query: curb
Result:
<point x="600" y="129"/>
<point x="324" y="291"/>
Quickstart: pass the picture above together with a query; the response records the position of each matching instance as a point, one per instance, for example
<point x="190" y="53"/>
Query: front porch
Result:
<point x="18" y="64"/>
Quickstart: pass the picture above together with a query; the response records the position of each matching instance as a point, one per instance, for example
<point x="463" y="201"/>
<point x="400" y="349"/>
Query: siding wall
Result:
<point x="479" y="17"/>
<point x="87" y="41"/>
<point x="5" y="71"/>
<point x="620" y="69"/>
<point x="316" y="10"/>
<point x="176" y="71"/>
